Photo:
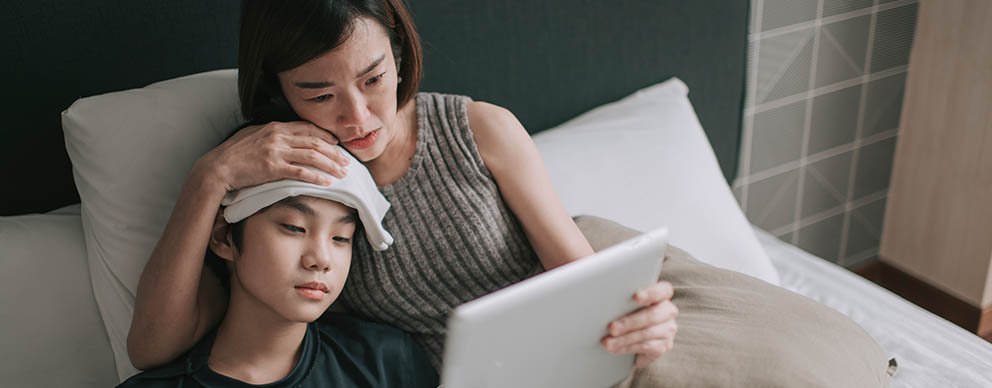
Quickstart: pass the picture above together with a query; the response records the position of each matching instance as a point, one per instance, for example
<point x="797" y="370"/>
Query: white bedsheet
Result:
<point x="931" y="352"/>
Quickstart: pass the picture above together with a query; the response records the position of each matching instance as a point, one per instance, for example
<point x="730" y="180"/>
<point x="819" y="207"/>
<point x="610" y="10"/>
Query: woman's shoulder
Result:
<point x="481" y="110"/>
<point x="496" y="130"/>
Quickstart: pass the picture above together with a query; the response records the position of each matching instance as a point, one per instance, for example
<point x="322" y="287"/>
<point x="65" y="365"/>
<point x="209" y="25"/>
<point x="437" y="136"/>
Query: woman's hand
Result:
<point x="648" y="332"/>
<point x="265" y="153"/>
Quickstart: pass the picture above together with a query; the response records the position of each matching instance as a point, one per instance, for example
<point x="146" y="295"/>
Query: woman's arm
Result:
<point x="510" y="155"/>
<point x="175" y="305"/>
<point x="512" y="158"/>
<point x="177" y="301"/>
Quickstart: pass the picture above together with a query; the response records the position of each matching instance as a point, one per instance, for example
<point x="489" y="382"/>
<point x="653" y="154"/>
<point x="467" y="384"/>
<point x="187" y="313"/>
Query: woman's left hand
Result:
<point x="648" y="332"/>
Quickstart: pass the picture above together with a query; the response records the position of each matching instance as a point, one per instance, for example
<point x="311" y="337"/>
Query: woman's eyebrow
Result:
<point x="313" y="85"/>
<point x="327" y="84"/>
<point x="372" y="66"/>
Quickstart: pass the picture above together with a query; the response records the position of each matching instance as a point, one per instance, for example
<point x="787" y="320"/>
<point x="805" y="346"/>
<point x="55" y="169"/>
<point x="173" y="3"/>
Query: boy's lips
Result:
<point x="314" y="286"/>
<point x="313" y="290"/>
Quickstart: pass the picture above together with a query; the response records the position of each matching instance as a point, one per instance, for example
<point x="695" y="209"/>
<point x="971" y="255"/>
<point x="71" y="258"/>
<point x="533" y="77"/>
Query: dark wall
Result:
<point x="547" y="61"/>
<point x="550" y="60"/>
<point x="55" y="52"/>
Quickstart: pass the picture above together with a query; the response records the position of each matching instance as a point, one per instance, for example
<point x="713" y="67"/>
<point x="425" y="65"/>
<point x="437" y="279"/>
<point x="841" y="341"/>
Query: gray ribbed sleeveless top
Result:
<point x="455" y="238"/>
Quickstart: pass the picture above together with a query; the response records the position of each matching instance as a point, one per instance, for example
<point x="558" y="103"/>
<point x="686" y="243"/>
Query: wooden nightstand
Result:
<point x="937" y="238"/>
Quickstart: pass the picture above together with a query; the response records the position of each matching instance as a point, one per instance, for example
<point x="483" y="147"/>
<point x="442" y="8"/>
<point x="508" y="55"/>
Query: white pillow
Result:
<point x="645" y="162"/>
<point x="51" y="334"/>
<point x="130" y="153"/>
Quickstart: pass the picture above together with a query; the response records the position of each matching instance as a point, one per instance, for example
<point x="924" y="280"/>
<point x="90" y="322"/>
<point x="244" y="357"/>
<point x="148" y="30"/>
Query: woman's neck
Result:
<point x="397" y="157"/>
<point x="254" y="344"/>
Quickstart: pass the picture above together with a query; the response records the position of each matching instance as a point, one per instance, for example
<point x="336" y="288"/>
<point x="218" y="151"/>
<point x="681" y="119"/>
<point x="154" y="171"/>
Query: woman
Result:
<point x="473" y="208"/>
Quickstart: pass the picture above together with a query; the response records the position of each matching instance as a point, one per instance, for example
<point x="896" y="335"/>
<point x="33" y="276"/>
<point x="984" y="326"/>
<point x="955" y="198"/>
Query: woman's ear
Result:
<point x="221" y="242"/>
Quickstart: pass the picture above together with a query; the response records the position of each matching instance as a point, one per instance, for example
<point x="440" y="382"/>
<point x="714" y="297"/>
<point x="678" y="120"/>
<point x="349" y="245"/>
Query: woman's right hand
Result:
<point x="278" y="150"/>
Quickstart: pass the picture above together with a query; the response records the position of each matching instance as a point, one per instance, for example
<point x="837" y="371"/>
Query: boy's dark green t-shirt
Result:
<point x="342" y="351"/>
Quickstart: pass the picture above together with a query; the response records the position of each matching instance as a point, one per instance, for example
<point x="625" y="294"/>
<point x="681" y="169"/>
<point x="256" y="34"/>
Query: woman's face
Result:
<point x="350" y="91"/>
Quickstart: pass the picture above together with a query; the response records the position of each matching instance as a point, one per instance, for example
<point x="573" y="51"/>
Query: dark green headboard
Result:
<point x="546" y="60"/>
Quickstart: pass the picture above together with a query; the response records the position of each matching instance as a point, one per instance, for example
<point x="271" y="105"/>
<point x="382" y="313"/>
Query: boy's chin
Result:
<point x="306" y="315"/>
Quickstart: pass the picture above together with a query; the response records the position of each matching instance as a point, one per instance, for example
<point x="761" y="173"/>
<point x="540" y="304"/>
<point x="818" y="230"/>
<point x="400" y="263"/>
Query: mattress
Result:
<point x="931" y="351"/>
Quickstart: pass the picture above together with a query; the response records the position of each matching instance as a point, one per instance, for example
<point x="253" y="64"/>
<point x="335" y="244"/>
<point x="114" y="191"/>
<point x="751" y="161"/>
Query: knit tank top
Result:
<point x="455" y="238"/>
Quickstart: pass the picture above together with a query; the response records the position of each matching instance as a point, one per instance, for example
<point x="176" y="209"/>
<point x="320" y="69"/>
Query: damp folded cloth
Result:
<point x="356" y="190"/>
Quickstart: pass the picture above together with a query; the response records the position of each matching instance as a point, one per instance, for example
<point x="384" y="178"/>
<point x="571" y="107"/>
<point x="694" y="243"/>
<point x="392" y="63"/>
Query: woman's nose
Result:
<point x="355" y="111"/>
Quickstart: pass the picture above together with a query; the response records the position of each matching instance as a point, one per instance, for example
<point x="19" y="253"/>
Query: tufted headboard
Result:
<point x="546" y="61"/>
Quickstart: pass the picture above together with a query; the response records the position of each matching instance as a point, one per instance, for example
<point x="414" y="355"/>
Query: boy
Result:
<point x="288" y="261"/>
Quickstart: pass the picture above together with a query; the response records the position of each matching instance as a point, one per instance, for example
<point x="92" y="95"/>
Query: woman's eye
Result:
<point x="343" y="240"/>
<point x="321" y="98"/>
<point x="374" y="80"/>
<point x="294" y="229"/>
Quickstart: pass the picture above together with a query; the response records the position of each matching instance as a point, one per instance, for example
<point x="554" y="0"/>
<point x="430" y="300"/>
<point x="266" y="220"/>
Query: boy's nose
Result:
<point x="317" y="259"/>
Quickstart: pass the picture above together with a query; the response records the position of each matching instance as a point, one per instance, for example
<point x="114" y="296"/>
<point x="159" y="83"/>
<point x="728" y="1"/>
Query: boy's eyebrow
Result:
<point x="298" y="206"/>
<point x="295" y="204"/>
<point x="348" y="219"/>
<point x="327" y="84"/>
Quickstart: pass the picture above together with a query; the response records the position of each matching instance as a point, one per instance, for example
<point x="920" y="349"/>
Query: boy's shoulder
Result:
<point x="344" y="325"/>
<point x="179" y="372"/>
<point x="377" y="349"/>
<point x="351" y="334"/>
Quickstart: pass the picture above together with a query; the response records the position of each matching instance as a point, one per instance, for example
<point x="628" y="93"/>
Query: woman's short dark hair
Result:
<point x="279" y="35"/>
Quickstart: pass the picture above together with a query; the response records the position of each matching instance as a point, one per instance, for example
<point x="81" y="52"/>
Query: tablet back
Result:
<point x="545" y="331"/>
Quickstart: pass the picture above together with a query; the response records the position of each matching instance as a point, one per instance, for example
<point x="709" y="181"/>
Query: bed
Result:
<point x="932" y="352"/>
<point x="547" y="61"/>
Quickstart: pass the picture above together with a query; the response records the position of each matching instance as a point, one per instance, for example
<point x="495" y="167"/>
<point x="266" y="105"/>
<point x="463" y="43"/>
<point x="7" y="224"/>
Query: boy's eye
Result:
<point x="374" y="80"/>
<point x="294" y="229"/>
<point x="322" y="98"/>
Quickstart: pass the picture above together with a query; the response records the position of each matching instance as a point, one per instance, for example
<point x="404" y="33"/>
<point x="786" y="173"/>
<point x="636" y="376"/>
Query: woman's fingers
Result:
<point x="656" y="293"/>
<point x="645" y="359"/>
<point x="305" y="128"/>
<point x="643" y="318"/>
<point x="663" y="331"/>
<point x="332" y="153"/>
<point x="648" y="344"/>
<point x="315" y="158"/>
<point x="301" y="173"/>
<point x="278" y="150"/>
<point x="648" y="332"/>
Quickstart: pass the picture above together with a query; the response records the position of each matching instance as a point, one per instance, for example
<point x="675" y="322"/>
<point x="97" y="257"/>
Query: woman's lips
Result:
<point x="364" y="142"/>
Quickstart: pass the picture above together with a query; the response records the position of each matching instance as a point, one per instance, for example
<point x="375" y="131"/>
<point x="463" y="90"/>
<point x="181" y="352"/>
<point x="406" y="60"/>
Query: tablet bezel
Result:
<point x="545" y="331"/>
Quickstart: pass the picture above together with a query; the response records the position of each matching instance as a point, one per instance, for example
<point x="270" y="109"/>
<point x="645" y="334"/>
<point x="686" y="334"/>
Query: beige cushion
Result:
<point x="738" y="331"/>
<point x="51" y="334"/>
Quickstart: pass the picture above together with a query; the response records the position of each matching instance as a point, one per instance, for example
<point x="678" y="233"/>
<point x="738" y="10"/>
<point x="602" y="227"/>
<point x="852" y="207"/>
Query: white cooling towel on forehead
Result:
<point x="356" y="190"/>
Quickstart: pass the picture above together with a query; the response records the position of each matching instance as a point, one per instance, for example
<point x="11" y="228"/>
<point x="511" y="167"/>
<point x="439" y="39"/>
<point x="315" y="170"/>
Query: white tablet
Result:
<point x="545" y="331"/>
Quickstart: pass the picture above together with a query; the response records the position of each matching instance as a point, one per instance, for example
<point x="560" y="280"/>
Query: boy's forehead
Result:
<point x="313" y="206"/>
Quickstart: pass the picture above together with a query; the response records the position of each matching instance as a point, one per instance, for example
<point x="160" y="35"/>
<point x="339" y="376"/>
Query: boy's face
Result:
<point x="295" y="257"/>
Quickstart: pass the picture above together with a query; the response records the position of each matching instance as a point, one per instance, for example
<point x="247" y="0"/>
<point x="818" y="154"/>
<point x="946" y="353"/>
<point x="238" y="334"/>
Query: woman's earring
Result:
<point x="399" y="79"/>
